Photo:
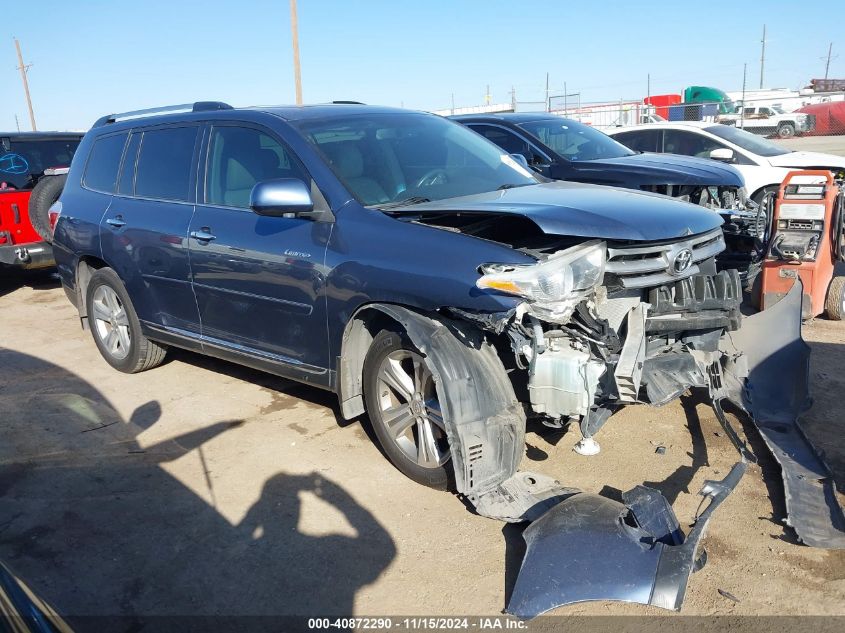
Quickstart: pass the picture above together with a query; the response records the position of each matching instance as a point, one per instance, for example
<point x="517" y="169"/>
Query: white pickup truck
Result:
<point x="768" y="121"/>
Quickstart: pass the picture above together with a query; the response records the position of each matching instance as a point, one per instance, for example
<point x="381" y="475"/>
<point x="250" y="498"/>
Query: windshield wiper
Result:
<point x="402" y="203"/>
<point x="511" y="185"/>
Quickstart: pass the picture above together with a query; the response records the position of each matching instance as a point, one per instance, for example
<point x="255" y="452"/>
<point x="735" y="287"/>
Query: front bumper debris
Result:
<point x="590" y="547"/>
<point x="775" y="393"/>
<point x="582" y="546"/>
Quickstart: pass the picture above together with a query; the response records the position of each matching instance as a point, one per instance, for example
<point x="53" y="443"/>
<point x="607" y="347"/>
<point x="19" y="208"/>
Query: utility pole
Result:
<point x="453" y="103"/>
<point x="742" y="109"/>
<point x="17" y="123"/>
<point x="548" y="105"/>
<point x="487" y="95"/>
<point x="24" y="68"/>
<point x="827" y="65"/>
<point x="294" y="27"/>
<point x="763" y="56"/>
<point x="513" y="98"/>
<point x="565" y="100"/>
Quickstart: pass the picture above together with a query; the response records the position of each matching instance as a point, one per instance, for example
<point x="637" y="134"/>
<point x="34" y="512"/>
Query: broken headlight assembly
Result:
<point x="553" y="285"/>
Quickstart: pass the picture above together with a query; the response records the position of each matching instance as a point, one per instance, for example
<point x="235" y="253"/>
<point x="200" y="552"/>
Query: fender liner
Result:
<point x="484" y="421"/>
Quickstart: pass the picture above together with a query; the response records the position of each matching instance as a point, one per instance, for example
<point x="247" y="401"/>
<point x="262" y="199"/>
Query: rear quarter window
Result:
<point x="103" y="163"/>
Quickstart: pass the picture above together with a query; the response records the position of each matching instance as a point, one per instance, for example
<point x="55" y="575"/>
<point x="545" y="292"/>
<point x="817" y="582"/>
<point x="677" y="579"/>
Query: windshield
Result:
<point x="575" y="141"/>
<point x="389" y="158"/>
<point x="22" y="161"/>
<point x="747" y="140"/>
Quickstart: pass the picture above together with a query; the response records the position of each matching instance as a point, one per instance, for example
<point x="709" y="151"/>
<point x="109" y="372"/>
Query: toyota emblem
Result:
<point x="682" y="261"/>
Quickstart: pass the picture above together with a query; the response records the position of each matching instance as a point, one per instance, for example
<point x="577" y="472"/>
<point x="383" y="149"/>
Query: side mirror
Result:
<point x="281" y="197"/>
<point x="723" y="154"/>
<point x="520" y="158"/>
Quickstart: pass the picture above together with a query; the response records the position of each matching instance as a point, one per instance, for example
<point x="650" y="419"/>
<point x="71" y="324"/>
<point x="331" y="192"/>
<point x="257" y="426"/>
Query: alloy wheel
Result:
<point x="410" y="410"/>
<point x="111" y="322"/>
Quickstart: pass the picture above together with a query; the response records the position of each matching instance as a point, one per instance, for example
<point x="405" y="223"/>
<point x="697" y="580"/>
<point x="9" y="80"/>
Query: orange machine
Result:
<point x="806" y="242"/>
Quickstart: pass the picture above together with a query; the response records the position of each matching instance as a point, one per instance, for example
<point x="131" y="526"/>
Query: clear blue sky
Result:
<point x="93" y="57"/>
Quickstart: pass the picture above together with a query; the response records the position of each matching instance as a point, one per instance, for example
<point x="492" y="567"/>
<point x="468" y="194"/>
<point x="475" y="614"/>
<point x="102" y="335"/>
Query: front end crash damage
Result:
<point x="746" y="224"/>
<point x="590" y="547"/>
<point x="602" y="348"/>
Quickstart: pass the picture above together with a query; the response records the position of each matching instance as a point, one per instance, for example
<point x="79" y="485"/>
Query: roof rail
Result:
<point x="199" y="106"/>
<point x="348" y="103"/>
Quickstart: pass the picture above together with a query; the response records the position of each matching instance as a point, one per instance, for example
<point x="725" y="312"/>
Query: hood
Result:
<point x="579" y="210"/>
<point x="663" y="169"/>
<point x="808" y="160"/>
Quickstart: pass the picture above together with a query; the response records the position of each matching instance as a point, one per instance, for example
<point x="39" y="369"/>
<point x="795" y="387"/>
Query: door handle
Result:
<point x="203" y="235"/>
<point x="117" y="221"/>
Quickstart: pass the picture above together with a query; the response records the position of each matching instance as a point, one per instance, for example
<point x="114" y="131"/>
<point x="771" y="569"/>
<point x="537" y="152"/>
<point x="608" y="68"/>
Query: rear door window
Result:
<point x="103" y="163"/>
<point x="164" y="163"/>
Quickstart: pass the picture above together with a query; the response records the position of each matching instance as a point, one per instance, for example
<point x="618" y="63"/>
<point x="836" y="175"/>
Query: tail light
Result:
<point x="54" y="213"/>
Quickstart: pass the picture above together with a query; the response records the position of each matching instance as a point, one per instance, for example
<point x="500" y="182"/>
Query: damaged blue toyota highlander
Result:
<point x="432" y="282"/>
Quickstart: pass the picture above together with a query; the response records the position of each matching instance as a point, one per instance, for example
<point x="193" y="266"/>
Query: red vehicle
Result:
<point x="32" y="167"/>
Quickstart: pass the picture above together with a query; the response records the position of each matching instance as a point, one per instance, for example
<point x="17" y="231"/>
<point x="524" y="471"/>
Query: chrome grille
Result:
<point x="654" y="264"/>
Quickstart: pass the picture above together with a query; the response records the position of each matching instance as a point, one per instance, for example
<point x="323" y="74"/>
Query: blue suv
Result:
<point x="431" y="281"/>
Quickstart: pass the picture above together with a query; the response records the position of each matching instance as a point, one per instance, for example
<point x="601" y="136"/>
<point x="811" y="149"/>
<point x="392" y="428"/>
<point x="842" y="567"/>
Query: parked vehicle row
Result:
<point x="563" y="149"/>
<point x="763" y="164"/>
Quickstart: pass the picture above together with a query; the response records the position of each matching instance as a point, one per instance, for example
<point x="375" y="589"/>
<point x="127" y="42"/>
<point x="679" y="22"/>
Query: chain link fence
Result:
<point x="764" y="116"/>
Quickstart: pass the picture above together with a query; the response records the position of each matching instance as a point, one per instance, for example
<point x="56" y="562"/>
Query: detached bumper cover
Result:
<point x="33" y="255"/>
<point x="589" y="547"/>
<point x="775" y="394"/>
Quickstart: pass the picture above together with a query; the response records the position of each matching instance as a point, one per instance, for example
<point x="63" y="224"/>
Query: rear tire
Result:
<point x="115" y="325"/>
<point x="833" y="306"/>
<point x="404" y="411"/>
<point x="762" y="193"/>
<point x="786" y="130"/>
<point x="43" y="196"/>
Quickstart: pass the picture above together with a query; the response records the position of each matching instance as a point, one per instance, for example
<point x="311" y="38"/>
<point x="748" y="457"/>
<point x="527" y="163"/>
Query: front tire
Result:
<point x="402" y="403"/>
<point x="115" y="326"/>
<point x="835" y="304"/>
<point x="786" y="130"/>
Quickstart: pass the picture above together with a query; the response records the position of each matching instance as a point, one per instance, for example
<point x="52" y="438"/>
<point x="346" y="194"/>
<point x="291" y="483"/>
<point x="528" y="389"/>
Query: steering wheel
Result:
<point x="432" y="177"/>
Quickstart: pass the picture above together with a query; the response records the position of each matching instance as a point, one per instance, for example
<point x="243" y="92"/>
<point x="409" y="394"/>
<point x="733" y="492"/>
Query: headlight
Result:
<point x="566" y="272"/>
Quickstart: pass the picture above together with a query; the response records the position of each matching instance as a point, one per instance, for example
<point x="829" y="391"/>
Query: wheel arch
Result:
<point x="762" y="189"/>
<point x="367" y="321"/>
<point x="484" y="420"/>
<point x="85" y="269"/>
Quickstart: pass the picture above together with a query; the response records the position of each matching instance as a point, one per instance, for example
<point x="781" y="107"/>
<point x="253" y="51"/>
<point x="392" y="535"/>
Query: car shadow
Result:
<point x="97" y="527"/>
<point x="11" y="280"/>
<point x="275" y="384"/>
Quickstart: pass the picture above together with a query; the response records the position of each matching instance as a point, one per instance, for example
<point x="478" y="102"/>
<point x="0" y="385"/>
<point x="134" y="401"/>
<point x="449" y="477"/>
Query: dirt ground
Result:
<point x="203" y="487"/>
